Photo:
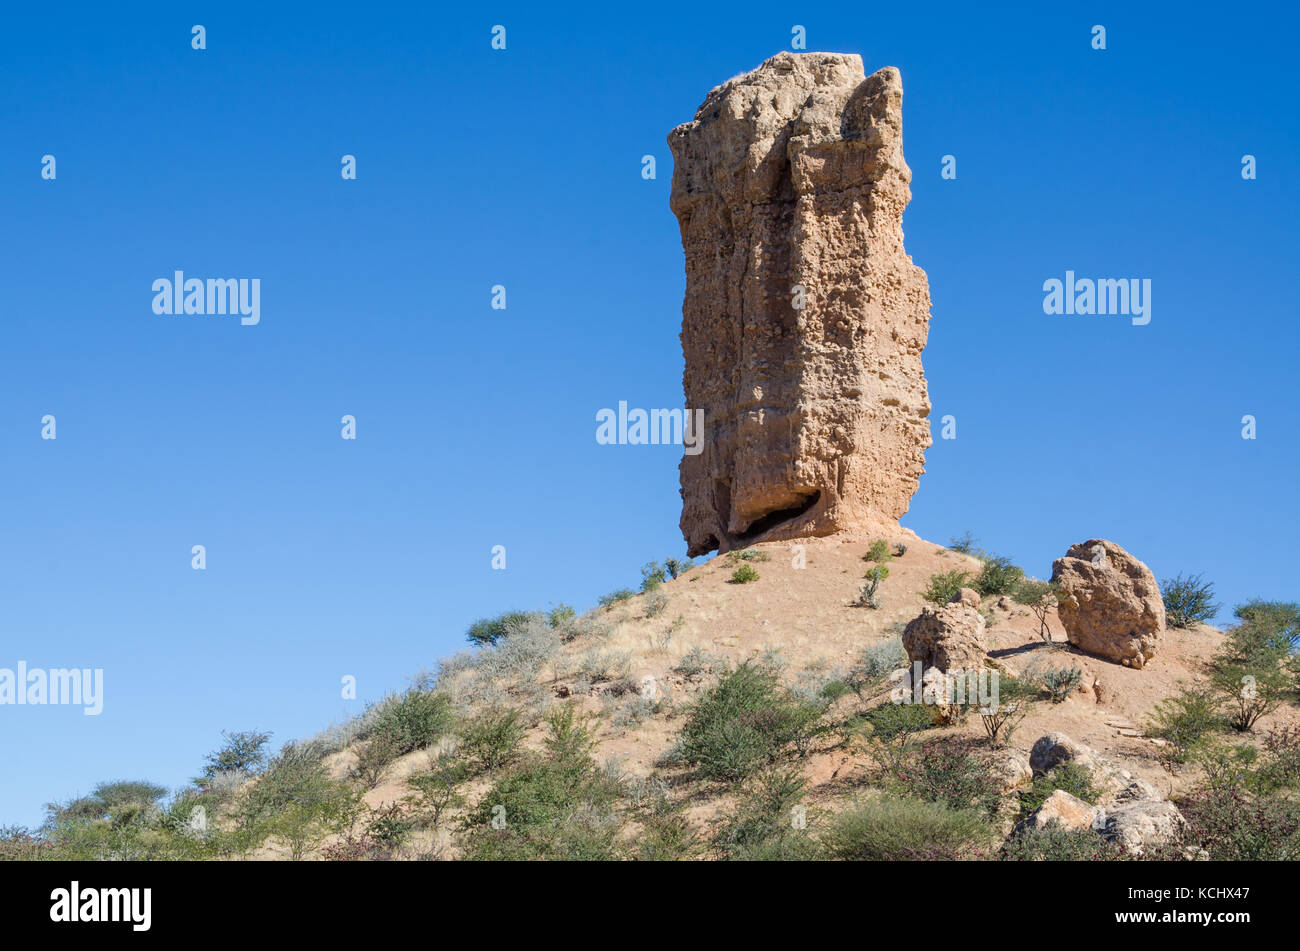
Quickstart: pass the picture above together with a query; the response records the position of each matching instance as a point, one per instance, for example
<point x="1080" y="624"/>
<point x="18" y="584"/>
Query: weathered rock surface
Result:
<point x="1141" y="825"/>
<point x="1065" y="809"/>
<point x="1113" y="783"/>
<point x="1012" y="770"/>
<point x="950" y="638"/>
<point x="1110" y="603"/>
<point x="804" y="318"/>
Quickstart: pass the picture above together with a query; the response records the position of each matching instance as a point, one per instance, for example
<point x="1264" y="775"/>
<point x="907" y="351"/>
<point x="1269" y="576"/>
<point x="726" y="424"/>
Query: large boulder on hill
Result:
<point x="1109" y="602"/>
<point x="950" y="638"/>
<point x="804" y="317"/>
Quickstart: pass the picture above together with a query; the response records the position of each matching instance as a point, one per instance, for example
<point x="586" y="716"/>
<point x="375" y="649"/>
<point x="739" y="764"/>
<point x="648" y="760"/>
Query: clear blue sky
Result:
<point x="476" y="427"/>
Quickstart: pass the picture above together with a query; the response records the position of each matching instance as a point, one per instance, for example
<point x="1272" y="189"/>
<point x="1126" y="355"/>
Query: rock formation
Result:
<point x="1109" y="602"/>
<point x="1128" y="809"/>
<point x="804" y="318"/>
<point x="950" y="638"/>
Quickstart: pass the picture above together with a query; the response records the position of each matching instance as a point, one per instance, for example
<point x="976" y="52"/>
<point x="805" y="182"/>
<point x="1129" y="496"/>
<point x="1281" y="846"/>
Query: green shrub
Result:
<point x="945" y="586"/>
<point x="744" y="574"/>
<point x="1186" y="720"/>
<point x="769" y="823"/>
<point x="1040" y="597"/>
<point x="874" y="665"/>
<point x="677" y="567"/>
<point x="1070" y="777"/>
<point x="893" y="727"/>
<point x="965" y="544"/>
<point x="1188" y="600"/>
<point x="953" y="774"/>
<point x="373" y="757"/>
<point x="490" y="630"/>
<point x="1234" y="826"/>
<point x="1060" y="682"/>
<point x="614" y="597"/>
<point x="412" y="720"/>
<point x="1251" y="673"/>
<point x="557" y="807"/>
<point x="297" y="802"/>
<point x="491" y="739"/>
<point x="561" y="615"/>
<point x="890" y="830"/>
<point x="879" y="552"/>
<point x="243" y="753"/>
<point x="746" y="722"/>
<point x="867" y="597"/>
<point x="1271" y="624"/>
<point x="653" y="575"/>
<point x="1057" y="843"/>
<point x="1000" y="720"/>
<point x="998" y="576"/>
<point x="439" y="789"/>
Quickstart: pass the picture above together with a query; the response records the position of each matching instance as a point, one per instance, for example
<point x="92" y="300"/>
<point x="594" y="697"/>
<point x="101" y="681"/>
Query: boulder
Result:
<point x="1109" y="603"/>
<point x="804" y="317"/>
<point x="950" y="638"/>
<point x="1113" y="783"/>
<point x="1064" y="809"/>
<point x="1012" y="769"/>
<point x="1142" y="825"/>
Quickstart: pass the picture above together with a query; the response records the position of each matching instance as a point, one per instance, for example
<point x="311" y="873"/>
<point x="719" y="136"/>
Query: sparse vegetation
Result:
<point x="1186" y="721"/>
<point x="879" y="552"/>
<point x="1000" y="720"/>
<point x="744" y="574"/>
<point x="874" y="665"/>
<point x="998" y="576"/>
<point x="889" y="830"/>
<point x="1188" y="600"/>
<point x="1060" y="682"/>
<point x="490" y="630"/>
<point x="1040" y="597"/>
<point x="614" y="597"/>
<point x="894" y="727"/>
<point x="1069" y="777"/>
<point x="867" y="597"/>
<point x="746" y="722"/>
<point x="945" y="586"/>
<point x="964" y="544"/>
<point x="676" y="567"/>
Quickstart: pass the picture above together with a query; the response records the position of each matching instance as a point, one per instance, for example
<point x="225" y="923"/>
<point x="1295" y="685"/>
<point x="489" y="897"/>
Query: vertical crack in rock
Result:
<point x="792" y="175"/>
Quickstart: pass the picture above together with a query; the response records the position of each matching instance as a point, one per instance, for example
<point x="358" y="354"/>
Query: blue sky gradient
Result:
<point x="475" y="426"/>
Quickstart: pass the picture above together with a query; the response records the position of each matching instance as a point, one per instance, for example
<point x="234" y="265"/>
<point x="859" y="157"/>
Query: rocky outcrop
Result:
<point x="1128" y="809"/>
<point x="950" y="638"/>
<point x="1064" y="809"/>
<point x="1109" y="603"/>
<point x="1142" y="825"/>
<point x="804" y="318"/>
